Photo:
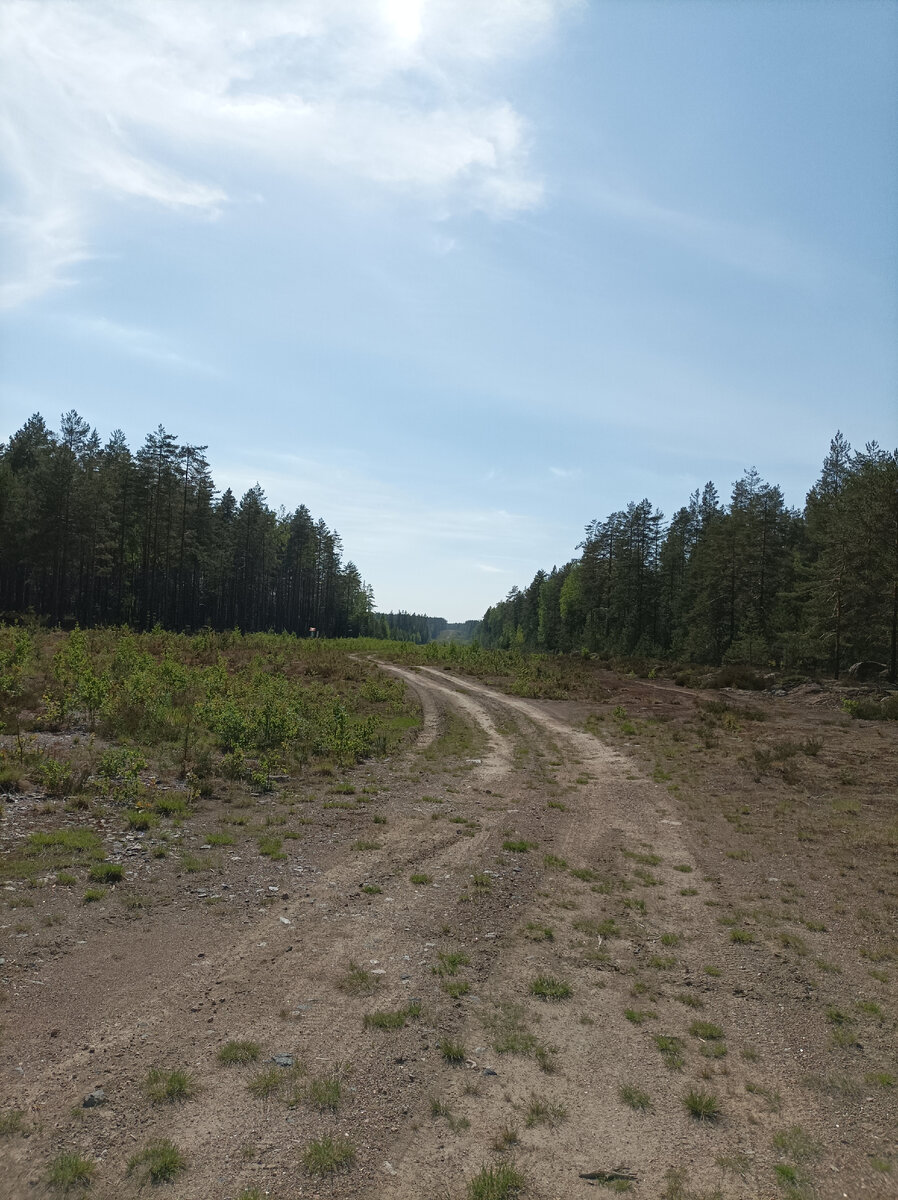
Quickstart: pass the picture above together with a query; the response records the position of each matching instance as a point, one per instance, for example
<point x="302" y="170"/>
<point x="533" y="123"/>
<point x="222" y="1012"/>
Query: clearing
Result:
<point x="639" y="941"/>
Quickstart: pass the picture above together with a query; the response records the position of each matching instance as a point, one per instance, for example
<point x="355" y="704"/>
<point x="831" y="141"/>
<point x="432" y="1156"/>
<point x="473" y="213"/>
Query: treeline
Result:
<point x="751" y="581"/>
<point x="93" y="534"/>
<point x="406" y="627"/>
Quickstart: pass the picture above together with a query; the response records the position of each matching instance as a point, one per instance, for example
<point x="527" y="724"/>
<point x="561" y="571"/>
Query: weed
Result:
<point x="538" y="933"/>
<point x="670" y="939"/>
<point x="365" y="844"/>
<point x="450" y="961"/>
<point x="169" y="1087"/>
<point x="509" y="1031"/>
<point x="688" y="891"/>
<point x="69" y="1171"/>
<point x="773" y="1099"/>
<point x="267" y="1083"/>
<point x="684" y="867"/>
<point x="106" y="872"/>
<point x="545" y="1058"/>
<point x="371" y="889"/>
<point x="547" y="987"/>
<point x="742" y="937"/>
<point x="706" y="1031"/>
<point x="456" y="988"/>
<point x="66" y="878"/>
<point x="325" y="1092"/>
<point x="93" y="895"/>
<point x="689" y="1000"/>
<point x="502" y="1182"/>
<point x="507" y="1137"/>
<point x="553" y="863"/>
<point x="270" y="847"/>
<point x="452" y="1052"/>
<point x="518" y="847"/>
<point x="421" y="878"/>
<point x="233" y="1054"/>
<point x="159" y="1162"/>
<point x="325" y="1156"/>
<point x="593" y="928"/>
<point x="388" y="1019"/>
<point x="11" y="1122"/>
<point x="662" y="962"/>
<point x="639" y="1016"/>
<point x="647" y="860"/>
<point x="634" y="1097"/>
<point x="541" y="1111"/>
<point x="703" y="1106"/>
<point x="883" y="1079"/>
<point x="357" y="981"/>
<point x="795" y="1143"/>
<point x="791" y="941"/>
<point x="671" y="1051"/>
<point x="221" y="839"/>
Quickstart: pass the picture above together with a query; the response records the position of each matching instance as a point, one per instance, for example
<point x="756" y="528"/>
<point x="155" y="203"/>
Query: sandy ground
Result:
<point x="545" y="851"/>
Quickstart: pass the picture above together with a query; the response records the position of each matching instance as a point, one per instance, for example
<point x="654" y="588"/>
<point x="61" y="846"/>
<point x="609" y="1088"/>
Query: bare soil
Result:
<point x="657" y="857"/>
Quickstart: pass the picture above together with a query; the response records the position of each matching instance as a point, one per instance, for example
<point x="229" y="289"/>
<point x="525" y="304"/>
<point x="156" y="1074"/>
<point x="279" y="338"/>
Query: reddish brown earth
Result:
<point x="650" y="829"/>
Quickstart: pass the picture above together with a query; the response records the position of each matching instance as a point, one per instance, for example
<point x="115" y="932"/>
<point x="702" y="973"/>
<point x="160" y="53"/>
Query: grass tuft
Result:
<point x="170" y="1087"/>
<point x="502" y="1182"/>
<point x="547" y="987"/>
<point x="327" y="1156"/>
<point x="69" y="1171"/>
<point x="159" y="1162"/>
<point x="634" y="1097"/>
<point x="703" y="1106"/>
<point x="238" y="1054"/>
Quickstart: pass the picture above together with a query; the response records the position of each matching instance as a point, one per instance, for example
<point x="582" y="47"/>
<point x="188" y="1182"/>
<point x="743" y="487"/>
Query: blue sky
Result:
<point x="458" y="276"/>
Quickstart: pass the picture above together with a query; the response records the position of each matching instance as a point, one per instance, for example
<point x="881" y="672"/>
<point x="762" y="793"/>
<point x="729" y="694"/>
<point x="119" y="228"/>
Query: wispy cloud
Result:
<point x="753" y="249"/>
<point x="565" y="472"/>
<point x="139" y="343"/>
<point x="397" y="540"/>
<point x="143" y="100"/>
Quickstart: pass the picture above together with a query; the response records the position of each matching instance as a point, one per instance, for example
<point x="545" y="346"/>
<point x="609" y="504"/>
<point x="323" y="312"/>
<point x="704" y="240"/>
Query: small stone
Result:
<point x="282" y="1060"/>
<point x="94" y="1098"/>
<point x="489" y="1071"/>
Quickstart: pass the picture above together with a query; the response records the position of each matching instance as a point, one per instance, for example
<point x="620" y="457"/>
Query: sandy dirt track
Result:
<point x="544" y="852"/>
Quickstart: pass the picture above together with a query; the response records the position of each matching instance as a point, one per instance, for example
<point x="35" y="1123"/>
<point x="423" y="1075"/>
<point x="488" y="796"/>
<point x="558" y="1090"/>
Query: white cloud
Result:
<point x="565" y="472"/>
<point x="142" y="98"/>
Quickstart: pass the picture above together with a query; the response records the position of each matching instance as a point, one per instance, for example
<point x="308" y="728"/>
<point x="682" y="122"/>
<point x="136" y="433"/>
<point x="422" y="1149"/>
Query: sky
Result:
<point x="459" y="277"/>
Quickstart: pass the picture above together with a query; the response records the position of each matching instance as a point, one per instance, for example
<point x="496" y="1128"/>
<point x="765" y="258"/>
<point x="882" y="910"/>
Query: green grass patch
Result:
<point x="328" y="1156"/>
<point x="160" y="1161"/>
<point x="548" y="987"/>
<point x="238" y="1054"/>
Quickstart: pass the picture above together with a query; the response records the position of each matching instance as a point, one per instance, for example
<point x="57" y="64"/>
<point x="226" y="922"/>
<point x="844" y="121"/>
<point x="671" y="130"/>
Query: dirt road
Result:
<point x="531" y="913"/>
